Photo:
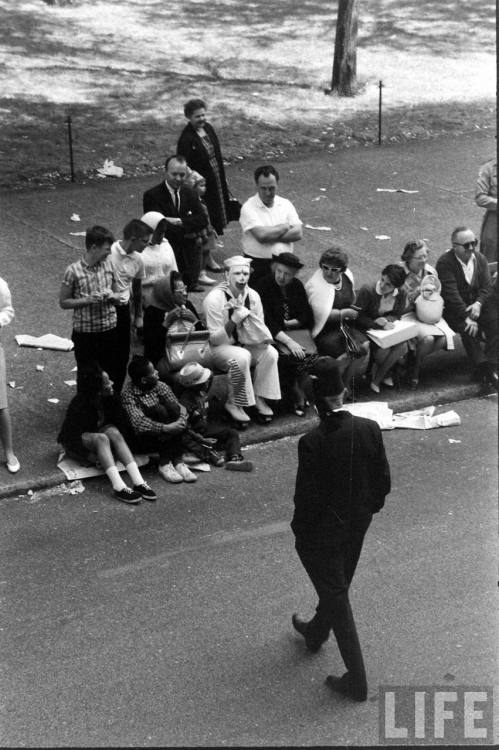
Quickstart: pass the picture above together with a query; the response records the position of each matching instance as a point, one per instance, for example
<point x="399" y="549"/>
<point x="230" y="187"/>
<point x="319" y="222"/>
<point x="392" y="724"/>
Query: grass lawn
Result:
<point x="123" y="68"/>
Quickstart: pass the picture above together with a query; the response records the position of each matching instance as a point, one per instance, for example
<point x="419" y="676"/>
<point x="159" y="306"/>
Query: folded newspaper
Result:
<point x="47" y="341"/>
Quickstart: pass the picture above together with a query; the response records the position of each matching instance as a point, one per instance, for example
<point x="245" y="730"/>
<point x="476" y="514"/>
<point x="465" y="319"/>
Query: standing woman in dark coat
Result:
<point x="199" y="144"/>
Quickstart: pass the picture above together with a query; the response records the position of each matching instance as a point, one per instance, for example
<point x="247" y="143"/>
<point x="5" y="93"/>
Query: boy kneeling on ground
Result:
<point x="203" y="435"/>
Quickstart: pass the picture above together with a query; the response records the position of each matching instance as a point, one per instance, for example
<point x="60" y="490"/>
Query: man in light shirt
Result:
<point x="468" y="309"/>
<point x="269" y="222"/>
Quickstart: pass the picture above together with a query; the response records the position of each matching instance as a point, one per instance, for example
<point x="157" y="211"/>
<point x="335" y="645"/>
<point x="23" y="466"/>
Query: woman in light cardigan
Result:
<point x="331" y="294"/>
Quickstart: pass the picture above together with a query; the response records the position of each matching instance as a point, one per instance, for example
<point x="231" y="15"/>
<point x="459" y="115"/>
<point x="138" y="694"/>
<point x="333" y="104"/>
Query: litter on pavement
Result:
<point x="75" y="217"/>
<point x="109" y="169"/>
<point x="419" y="419"/>
<point x="47" y="341"/>
<point x="319" y="229"/>
<point x="40" y="368"/>
<point x="395" y="190"/>
<point x="78" y="234"/>
<point x="53" y="400"/>
<point x="382" y="237"/>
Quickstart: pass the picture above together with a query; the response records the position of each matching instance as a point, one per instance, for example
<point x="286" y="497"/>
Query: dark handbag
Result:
<point x="185" y="347"/>
<point x="352" y="344"/>
<point x="233" y="209"/>
<point x="303" y="337"/>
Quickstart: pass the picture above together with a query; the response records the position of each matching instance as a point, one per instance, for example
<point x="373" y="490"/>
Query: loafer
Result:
<point x="170" y="474"/>
<point x="146" y="492"/>
<point x="238" y="463"/>
<point x="185" y="473"/>
<point x="302" y="627"/>
<point x="344" y="686"/>
<point x="205" y="279"/>
<point x="13" y="466"/>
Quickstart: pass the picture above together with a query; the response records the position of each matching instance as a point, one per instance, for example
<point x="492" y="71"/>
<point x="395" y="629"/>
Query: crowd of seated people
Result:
<point x="264" y="334"/>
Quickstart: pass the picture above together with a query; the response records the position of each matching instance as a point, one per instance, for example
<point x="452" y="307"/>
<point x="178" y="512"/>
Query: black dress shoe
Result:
<point x="344" y="686"/>
<point x="302" y="627"/>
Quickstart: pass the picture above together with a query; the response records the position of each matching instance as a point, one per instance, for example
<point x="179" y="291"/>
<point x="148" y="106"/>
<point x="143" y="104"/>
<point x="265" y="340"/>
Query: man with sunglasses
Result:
<point x="468" y="302"/>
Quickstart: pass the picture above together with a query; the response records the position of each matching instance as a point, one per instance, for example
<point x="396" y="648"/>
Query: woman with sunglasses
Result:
<point x="331" y="294"/>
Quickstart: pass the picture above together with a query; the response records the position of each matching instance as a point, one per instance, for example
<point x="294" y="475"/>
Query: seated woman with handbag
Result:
<point x="171" y="317"/>
<point x="434" y="336"/>
<point x="379" y="305"/>
<point x="331" y="294"/>
<point x="289" y="317"/>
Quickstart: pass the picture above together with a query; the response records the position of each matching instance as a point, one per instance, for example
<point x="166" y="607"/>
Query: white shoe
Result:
<point x="170" y="474"/>
<point x="185" y="473"/>
<point x="236" y="412"/>
<point x="389" y="381"/>
<point x="374" y="387"/>
<point x="203" y="278"/>
<point x="262" y="407"/>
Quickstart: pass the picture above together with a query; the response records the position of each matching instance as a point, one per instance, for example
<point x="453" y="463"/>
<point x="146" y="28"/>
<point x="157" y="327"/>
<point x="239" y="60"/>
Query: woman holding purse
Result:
<point x="331" y="294"/>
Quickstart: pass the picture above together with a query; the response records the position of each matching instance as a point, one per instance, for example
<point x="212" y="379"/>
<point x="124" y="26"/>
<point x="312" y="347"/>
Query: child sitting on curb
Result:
<point x="203" y="436"/>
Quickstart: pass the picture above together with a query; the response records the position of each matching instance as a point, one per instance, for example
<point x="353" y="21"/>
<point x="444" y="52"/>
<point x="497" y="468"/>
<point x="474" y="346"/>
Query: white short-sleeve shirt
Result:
<point x="254" y="213"/>
<point x="127" y="266"/>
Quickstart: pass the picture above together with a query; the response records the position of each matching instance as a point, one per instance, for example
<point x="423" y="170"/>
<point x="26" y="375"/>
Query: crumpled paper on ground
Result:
<point x="47" y="341"/>
<point x="109" y="169"/>
<point x="74" y="470"/>
<point x="419" y="419"/>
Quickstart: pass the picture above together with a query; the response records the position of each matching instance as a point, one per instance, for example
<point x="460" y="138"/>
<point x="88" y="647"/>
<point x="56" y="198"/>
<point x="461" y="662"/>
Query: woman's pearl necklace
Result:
<point x="339" y="284"/>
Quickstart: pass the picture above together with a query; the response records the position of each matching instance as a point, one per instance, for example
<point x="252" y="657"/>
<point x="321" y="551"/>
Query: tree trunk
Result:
<point x="344" y="76"/>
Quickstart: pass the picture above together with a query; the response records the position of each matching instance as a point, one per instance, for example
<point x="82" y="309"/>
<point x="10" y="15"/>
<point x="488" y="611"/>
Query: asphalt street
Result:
<point x="169" y="623"/>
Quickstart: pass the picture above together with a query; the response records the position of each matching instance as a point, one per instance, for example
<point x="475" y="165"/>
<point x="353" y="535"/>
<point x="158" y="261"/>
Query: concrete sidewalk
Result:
<point x="340" y="192"/>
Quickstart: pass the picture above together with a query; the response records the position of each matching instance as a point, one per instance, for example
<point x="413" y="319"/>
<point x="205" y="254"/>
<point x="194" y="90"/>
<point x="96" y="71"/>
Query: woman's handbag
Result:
<point x="233" y="209"/>
<point x="185" y="347"/>
<point x="303" y="337"/>
<point x="352" y="341"/>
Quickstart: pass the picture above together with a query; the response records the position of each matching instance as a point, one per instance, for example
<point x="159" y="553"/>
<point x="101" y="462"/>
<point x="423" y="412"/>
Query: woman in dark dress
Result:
<point x="286" y="309"/>
<point x="199" y="144"/>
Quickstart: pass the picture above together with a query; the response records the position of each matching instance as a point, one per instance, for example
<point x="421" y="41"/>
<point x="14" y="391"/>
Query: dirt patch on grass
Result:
<point x="122" y="69"/>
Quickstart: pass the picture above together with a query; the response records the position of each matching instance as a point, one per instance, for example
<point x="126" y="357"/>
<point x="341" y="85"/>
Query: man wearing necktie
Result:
<point x="182" y="209"/>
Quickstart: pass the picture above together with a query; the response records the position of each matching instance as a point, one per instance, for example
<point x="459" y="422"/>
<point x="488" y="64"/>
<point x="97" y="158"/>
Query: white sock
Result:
<point x="134" y="473"/>
<point x="115" y="479"/>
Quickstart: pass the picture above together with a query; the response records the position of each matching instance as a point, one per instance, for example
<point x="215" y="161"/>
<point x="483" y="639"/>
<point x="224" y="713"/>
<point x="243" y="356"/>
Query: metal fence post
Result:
<point x="70" y="139"/>
<point x="380" y="111"/>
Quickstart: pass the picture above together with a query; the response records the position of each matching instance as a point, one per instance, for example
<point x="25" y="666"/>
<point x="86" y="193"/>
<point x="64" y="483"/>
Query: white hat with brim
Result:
<point x="193" y="374"/>
<point x="237" y="260"/>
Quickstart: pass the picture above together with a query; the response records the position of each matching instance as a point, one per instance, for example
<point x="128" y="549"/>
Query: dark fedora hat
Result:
<point x="326" y="378"/>
<point x="288" y="259"/>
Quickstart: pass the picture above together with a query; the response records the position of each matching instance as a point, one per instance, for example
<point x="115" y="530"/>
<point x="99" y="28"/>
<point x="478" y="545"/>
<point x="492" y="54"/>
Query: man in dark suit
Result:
<point x="181" y="207"/>
<point x="468" y="302"/>
<point x="343" y="477"/>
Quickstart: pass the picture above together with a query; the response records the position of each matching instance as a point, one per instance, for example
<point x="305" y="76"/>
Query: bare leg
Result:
<point x="355" y="367"/>
<point x="6" y="435"/>
<point x="425" y="346"/>
<point x="385" y="359"/>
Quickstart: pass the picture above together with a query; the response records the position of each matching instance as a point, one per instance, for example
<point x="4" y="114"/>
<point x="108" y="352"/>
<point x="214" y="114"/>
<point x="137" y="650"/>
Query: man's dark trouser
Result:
<point x="169" y="447"/>
<point x="259" y="267"/>
<point x="192" y="262"/>
<point x="98" y="347"/>
<point x="123" y="327"/>
<point x="330" y="564"/>
<point x="473" y="345"/>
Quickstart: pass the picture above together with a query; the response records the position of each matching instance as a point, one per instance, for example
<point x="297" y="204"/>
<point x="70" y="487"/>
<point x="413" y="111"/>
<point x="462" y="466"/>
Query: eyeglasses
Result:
<point x="332" y="269"/>
<point x="467" y="245"/>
